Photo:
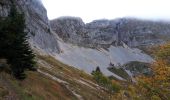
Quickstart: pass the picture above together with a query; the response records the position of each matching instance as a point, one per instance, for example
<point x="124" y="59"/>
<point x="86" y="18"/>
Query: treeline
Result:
<point x="14" y="45"/>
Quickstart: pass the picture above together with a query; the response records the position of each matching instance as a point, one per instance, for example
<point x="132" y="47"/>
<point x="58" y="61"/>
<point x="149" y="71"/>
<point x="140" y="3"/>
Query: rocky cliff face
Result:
<point x="137" y="33"/>
<point x="70" y="29"/>
<point x="37" y="23"/>
<point x="103" y="33"/>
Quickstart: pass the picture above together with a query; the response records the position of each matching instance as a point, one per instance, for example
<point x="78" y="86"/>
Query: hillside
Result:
<point x="57" y="81"/>
<point x="54" y="81"/>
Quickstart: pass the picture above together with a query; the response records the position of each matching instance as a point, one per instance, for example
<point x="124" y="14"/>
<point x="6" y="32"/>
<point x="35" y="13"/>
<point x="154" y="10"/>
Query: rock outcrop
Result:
<point x="70" y="29"/>
<point x="37" y="23"/>
<point x="103" y="33"/>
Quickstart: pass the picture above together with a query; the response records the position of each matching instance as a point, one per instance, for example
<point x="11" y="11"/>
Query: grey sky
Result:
<point x="90" y="10"/>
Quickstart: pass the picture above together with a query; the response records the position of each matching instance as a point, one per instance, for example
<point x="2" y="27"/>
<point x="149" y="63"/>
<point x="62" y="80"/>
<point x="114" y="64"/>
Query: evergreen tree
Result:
<point x="4" y="36"/>
<point x="14" y="46"/>
<point x="98" y="69"/>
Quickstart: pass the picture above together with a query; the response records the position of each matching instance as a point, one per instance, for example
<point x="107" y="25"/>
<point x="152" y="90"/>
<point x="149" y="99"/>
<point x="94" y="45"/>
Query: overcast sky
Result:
<point x="90" y="10"/>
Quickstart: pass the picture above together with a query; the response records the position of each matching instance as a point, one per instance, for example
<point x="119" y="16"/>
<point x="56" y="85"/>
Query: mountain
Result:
<point x="53" y="79"/>
<point x="69" y="50"/>
<point x="103" y="43"/>
<point x="103" y="33"/>
<point x="107" y="42"/>
<point x="99" y="43"/>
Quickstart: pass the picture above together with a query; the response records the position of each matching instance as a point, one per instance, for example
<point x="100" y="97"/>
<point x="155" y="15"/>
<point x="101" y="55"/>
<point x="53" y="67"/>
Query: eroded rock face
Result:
<point x="103" y="33"/>
<point x="74" y="30"/>
<point x="37" y="23"/>
<point x="70" y="29"/>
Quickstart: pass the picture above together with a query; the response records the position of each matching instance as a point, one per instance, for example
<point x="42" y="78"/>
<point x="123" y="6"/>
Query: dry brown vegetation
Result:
<point x="64" y="83"/>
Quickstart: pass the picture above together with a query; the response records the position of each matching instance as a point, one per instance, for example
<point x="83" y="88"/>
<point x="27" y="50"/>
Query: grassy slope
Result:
<point x="68" y="83"/>
<point x="35" y="87"/>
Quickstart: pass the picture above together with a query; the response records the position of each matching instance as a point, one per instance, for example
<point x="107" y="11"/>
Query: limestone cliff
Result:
<point x="103" y="33"/>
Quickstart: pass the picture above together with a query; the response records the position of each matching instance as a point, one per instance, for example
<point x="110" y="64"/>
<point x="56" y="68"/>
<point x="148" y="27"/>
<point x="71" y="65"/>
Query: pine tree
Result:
<point x="14" y="46"/>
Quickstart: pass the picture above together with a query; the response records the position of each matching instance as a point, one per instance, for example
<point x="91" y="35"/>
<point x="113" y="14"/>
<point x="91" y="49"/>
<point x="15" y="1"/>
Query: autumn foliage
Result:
<point x="154" y="87"/>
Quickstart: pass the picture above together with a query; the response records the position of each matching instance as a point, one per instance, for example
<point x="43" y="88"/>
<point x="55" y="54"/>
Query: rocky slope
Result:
<point x="36" y="22"/>
<point x="87" y="59"/>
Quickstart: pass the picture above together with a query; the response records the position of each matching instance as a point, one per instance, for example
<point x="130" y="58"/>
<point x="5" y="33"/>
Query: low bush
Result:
<point x="105" y="81"/>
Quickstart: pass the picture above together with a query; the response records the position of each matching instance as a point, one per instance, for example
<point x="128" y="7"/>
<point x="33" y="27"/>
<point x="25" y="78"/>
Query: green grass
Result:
<point x="106" y="82"/>
<point x="120" y="72"/>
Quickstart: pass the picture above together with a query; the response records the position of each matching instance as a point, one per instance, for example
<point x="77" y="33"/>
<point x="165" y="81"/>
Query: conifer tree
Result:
<point x="14" y="46"/>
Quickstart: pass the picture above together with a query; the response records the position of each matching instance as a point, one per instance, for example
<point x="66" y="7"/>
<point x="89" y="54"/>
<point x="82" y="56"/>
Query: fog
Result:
<point x="89" y="10"/>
